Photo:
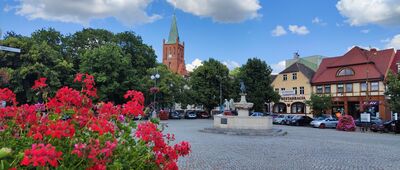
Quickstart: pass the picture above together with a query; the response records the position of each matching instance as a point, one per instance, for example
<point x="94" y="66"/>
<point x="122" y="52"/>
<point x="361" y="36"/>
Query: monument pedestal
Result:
<point x="243" y="120"/>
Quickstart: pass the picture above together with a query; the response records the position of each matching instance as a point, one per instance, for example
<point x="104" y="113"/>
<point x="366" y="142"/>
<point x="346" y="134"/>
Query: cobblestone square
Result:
<point x="301" y="148"/>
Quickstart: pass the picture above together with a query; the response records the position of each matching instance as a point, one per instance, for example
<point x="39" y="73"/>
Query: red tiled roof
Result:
<point x="376" y="62"/>
<point x="396" y="60"/>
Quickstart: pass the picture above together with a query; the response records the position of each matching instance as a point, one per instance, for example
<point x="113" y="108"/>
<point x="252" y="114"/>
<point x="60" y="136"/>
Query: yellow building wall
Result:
<point x="302" y="81"/>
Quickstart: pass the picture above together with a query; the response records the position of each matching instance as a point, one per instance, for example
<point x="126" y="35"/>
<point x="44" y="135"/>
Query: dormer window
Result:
<point x="345" y="72"/>
<point x="398" y="67"/>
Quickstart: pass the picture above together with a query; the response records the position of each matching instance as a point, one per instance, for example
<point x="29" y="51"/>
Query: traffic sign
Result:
<point x="4" y="48"/>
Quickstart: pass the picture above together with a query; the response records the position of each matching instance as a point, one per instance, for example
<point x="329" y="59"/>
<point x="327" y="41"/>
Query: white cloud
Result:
<point x="225" y="11"/>
<point x="361" y="12"/>
<point x="300" y="30"/>
<point x="231" y="64"/>
<point x="195" y="63"/>
<point x="366" y="31"/>
<point x="318" y="21"/>
<point x="278" y="31"/>
<point x="394" y="42"/>
<point x="278" y="67"/>
<point x="129" y="12"/>
<point x="7" y="8"/>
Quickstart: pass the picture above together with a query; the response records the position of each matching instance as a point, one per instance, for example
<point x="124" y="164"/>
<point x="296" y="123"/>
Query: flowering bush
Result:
<point x="66" y="132"/>
<point x="154" y="90"/>
<point x="346" y="123"/>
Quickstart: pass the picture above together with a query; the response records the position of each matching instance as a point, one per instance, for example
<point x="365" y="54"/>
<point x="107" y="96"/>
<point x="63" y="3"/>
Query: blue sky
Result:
<point x="229" y="30"/>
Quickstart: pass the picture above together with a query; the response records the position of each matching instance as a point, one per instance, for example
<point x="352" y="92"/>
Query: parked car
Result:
<point x="301" y="120"/>
<point x="374" y="120"/>
<point x="324" y="123"/>
<point x="389" y="126"/>
<point x="175" y="115"/>
<point x="257" y="114"/>
<point x="287" y="119"/>
<point x="280" y="119"/>
<point x="191" y="114"/>
<point x="203" y="114"/>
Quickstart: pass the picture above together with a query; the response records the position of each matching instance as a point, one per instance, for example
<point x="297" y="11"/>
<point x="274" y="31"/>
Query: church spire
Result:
<point x="173" y="33"/>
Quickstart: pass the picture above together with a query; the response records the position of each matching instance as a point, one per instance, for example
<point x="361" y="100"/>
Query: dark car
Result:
<point x="203" y="114"/>
<point x="374" y="120"/>
<point x="389" y="126"/>
<point x="301" y="121"/>
<point x="191" y="114"/>
<point x="175" y="115"/>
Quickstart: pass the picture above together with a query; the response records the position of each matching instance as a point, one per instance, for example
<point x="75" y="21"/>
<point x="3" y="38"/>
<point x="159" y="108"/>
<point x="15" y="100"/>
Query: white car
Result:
<point x="324" y="123"/>
<point x="278" y="120"/>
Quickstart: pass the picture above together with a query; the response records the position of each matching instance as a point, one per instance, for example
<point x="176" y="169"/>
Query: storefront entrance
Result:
<point x="298" y="108"/>
<point x="280" y="108"/>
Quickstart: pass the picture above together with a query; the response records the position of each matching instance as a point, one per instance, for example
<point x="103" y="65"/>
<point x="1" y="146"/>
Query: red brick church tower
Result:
<point x="174" y="51"/>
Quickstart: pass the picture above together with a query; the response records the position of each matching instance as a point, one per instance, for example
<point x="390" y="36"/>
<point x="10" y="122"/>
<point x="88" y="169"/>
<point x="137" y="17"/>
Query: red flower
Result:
<point x="8" y="96"/>
<point x="101" y="126"/>
<point x="60" y="129"/>
<point x="40" y="155"/>
<point x="66" y="98"/>
<point x="40" y="83"/>
<point x="89" y="84"/>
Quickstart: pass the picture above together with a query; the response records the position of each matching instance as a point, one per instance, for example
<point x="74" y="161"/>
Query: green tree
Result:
<point x="207" y="81"/>
<point x="256" y="75"/>
<point x="319" y="103"/>
<point x="112" y="70"/>
<point x="170" y="85"/>
<point x="393" y="91"/>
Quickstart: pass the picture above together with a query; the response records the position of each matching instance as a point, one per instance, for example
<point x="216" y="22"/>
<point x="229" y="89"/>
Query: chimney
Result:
<point x="373" y="50"/>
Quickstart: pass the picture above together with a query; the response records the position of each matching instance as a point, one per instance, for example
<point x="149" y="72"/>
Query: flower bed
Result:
<point x="346" y="123"/>
<point x="65" y="132"/>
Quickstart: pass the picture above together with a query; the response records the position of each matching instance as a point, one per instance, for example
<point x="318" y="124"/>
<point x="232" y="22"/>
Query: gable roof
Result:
<point x="299" y="67"/>
<point x="367" y="64"/>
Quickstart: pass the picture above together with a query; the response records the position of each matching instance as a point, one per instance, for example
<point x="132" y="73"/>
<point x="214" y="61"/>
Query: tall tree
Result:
<point x="393" y="91"/>
<point x="319" y="103"/>
<point x="112" y="70"/>
<point x="208" y="82"/>
<point x="256" y="75"/>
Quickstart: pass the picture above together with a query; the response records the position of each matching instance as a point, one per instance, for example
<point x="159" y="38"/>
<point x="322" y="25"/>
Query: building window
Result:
<point x="294" y="76"/>
<point x="398" y="67"/>
<point x="283" y="89"/>
<point x="284" y="77"/>
<point x="374" y="86"/>
<point x="319" y="89"/>
<point x="349" y="88"/>
<point x="345" y="72"/>
<point x="295" y="90"/>
<point x="301" y="90"/>
<point x="277" y="90"/>
<point x="340" y="88"/>
<point x="364" y="86"/>
<point x="327" y="88"/>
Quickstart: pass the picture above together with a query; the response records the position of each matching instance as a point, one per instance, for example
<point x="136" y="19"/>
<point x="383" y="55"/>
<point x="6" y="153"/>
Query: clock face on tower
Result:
<point x="169" y="56"/>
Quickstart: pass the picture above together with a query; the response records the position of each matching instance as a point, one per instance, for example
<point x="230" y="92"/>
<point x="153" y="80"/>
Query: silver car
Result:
<point x="324" y="123"/>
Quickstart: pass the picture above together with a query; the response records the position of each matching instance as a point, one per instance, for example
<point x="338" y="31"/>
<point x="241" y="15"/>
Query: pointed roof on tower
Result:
<point x="173" y="33"/>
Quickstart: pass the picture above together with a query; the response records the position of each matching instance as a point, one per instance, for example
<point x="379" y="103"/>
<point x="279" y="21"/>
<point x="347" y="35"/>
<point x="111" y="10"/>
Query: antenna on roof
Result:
<point x="296" y="55"/>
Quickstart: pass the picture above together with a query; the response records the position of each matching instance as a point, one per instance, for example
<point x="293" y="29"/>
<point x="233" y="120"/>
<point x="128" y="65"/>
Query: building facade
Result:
<point x="174" y="51"/>
<point x="356" y="81"/>
<point x="294" y="86"/>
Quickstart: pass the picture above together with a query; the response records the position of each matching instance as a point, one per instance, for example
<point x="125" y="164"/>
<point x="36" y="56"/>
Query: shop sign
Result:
<point x="293" y="98"/>
<point x="365" y="117"/>
<point x="288" y="93"/>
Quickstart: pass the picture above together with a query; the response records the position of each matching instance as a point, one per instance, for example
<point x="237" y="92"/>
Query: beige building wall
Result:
<point x="301" y="81"/>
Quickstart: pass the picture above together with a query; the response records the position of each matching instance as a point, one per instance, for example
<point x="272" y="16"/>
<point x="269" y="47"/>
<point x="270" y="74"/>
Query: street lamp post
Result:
<point x="155" y="77"/>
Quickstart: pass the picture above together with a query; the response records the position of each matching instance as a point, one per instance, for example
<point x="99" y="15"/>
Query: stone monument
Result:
<point x="243" y="120"/>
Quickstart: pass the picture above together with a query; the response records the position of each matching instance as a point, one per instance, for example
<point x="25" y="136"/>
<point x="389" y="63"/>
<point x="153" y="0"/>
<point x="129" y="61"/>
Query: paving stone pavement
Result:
<point x="302" y="148"/>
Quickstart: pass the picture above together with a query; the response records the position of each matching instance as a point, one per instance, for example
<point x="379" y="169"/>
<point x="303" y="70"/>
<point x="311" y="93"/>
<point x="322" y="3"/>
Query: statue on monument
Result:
<point x="242" y="87"/>
<point x="226" y="105"/>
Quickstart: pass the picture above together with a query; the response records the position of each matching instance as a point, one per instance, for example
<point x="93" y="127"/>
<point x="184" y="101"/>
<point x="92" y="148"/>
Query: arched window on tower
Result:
<point x="345" y="72"/>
